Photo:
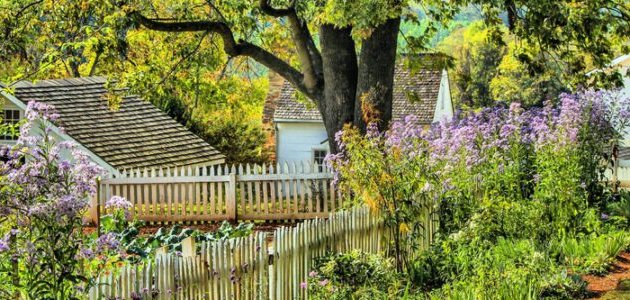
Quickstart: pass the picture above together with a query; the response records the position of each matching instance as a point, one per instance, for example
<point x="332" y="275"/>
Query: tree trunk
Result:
<point x="375" y="82"/>
<point x="339" y="61"/>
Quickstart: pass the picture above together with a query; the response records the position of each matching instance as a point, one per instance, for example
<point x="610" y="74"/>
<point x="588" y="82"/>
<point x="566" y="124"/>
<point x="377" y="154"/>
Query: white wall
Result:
<point x="626" y="93"/>
<point x="444" y="105"/>
<point x="295" y="141"/>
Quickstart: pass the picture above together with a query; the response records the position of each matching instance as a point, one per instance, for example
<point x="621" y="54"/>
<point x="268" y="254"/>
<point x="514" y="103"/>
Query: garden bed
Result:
<point x="206" y="227"/>
<point x="601" y="285"/>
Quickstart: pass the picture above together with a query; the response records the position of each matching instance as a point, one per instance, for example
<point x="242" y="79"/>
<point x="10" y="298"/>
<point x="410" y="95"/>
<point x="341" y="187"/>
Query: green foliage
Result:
<point x="392" y="184"/>
<point x="241" y="141"/>
<point x="505" y="269"/>
<point x="488" y="69"/>
<point x="515" y="82"/>
<point x="477" y="58"/>
<point x="590" y="254"/>
<point x="620" y="210"/>
<point x="139" y="246"/>
<point x="354" y="275"/>
<point x="557" y="32"/>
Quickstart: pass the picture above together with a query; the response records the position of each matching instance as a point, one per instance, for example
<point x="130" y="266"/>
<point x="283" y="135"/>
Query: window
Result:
<point x="10" y="116"/>
<point x="318" y="158"/>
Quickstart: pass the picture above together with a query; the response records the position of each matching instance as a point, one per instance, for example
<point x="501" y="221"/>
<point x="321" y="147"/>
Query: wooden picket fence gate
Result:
<point x="206" y="194"/>
<point x="248" y="267"/>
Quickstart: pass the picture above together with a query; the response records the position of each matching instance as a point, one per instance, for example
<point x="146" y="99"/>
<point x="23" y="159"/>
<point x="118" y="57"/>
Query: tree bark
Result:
<point x="375" y="81"/>
<point x="339" y="61"/>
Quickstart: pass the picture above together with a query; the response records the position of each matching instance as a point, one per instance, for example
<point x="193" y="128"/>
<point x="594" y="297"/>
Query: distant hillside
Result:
<point x="463" y="19"/>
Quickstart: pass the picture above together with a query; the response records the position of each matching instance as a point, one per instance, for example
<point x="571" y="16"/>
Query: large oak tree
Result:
<point x="341" y="54"/>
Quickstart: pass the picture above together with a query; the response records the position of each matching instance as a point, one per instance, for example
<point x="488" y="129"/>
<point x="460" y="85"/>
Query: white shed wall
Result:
<point x="295" y="141"/>
<point x="444" y="105"/>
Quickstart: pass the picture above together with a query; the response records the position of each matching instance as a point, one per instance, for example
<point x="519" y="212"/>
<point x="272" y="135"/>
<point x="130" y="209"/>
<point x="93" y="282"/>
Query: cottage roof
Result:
<point x="137" y="135"/>
<point x="415" y="93"/>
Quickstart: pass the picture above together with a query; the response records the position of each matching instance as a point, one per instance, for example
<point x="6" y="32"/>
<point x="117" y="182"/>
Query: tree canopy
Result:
<point x="338" y="53"/>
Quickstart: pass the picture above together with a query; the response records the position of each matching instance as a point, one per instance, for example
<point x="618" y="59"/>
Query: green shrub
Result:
<point x="619" y="211"/>
<point x="354" y="275"/>
<point x="589" y="254"/>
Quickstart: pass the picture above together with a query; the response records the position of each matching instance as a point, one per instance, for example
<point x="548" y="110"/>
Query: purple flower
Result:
<point x="117" y="202"/>
<point x="107" y="242"/>
<point x="303" y="285"/>
<point x="87" y="253"/>
<point x="4" y="244"/>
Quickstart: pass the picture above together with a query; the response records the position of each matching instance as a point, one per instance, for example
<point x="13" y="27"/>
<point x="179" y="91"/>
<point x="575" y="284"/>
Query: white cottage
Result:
<point x="298" y="133"/>
<point x="137" y="135"/>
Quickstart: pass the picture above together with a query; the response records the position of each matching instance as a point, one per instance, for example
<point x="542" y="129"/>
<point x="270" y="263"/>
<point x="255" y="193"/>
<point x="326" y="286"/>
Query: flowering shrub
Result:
<point x="507" y="183"/>
<point x="395" y="181"/>
<point x="553" y="155"/>
<point x="46" y="187"/>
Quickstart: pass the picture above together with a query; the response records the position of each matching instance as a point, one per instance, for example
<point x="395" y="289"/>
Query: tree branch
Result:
<point x="190" y="26"/>
<point x="301" y="38"/>
<point x="309" y="56"/>
<point x="266" y="7"/>
<point x="233" y="48"/>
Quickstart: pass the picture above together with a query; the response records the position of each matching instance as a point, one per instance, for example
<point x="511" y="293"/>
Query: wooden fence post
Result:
<point x="189" y="249"/>
<point x="162" y="250"/>
<point x="96" y="207"/>
<point x="615" y="175"/>
<point x="231" y="198"/>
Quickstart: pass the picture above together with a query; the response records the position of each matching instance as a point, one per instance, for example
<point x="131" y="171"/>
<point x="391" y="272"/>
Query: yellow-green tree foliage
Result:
<point x="188" y="76"/>
<point x="476" y="58"/>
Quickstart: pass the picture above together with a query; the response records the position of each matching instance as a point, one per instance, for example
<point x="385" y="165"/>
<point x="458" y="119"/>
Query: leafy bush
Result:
<point x="545" y="162"/>
<point x="397" y="186"/>
<point x="590" y="254"/>
<point x="619" y="211"/>
<point x="507" y="269"/>
<point x="138" y="247"/>
<point x="354" y="275"/>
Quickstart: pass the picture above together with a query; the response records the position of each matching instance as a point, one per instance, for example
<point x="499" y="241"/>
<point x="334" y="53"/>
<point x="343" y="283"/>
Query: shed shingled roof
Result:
<point x="415" y="93"/>
<point x="137" y="135"/>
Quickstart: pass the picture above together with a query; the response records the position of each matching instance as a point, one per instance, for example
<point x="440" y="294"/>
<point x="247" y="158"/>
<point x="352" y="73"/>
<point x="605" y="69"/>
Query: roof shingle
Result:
<point x="137" y="135"/>
<point x="415" y="93"/>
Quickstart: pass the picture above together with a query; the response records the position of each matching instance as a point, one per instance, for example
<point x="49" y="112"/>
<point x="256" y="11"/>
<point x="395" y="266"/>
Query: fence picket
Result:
<point x="240" y="268"/>
<point x="286" y="191"/>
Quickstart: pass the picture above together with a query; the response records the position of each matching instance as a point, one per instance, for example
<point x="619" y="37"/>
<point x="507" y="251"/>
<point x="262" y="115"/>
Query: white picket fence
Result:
<point x="243" y="192"/>
<point x="246" y="268"/>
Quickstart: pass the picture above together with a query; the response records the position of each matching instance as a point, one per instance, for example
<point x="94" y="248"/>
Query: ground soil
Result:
<point x="206" y="227"/>
<point x="600" y="285"/>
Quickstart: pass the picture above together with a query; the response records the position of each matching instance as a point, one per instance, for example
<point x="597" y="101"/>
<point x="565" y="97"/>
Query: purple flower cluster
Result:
<point x="46" y="192"/>
<point x="39" y="110"/>
<point x="107" y="242"/>
<point x="4" y="243"/>
<point x="117" y="202"/>
<point x="492" y="134"/>
<point x="475" y="137"/>
<point x="47" y="182"/>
